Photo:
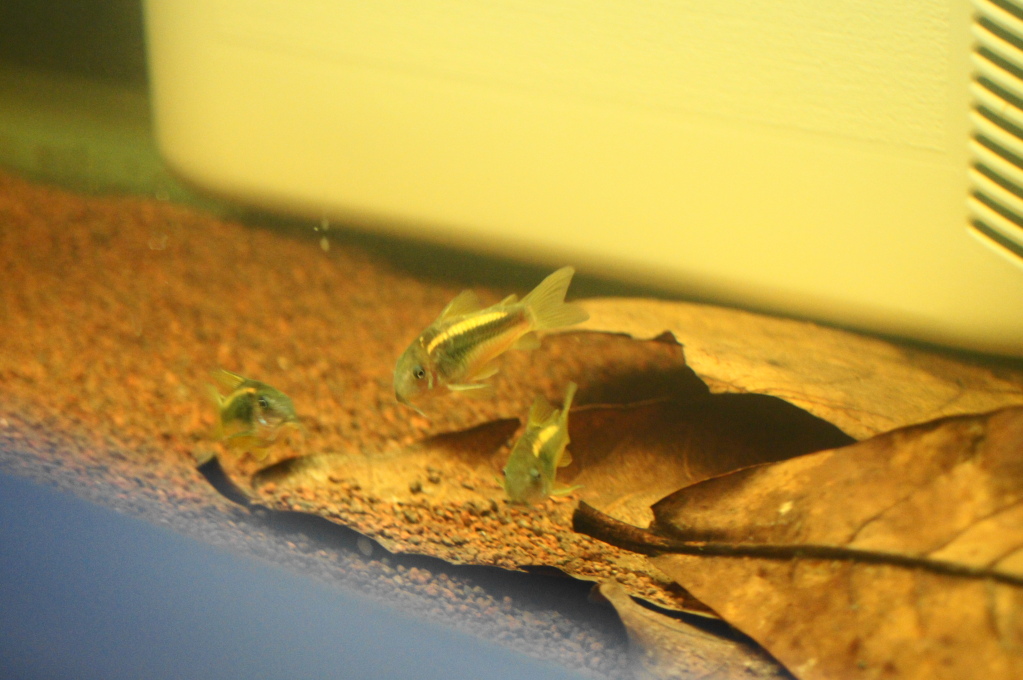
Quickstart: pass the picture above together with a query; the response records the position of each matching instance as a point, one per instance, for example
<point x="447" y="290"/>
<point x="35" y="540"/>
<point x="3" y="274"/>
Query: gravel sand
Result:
<point x="113" y="313"/>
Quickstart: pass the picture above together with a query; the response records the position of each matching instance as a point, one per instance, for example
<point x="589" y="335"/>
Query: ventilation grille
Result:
<point x="996" y="202"/>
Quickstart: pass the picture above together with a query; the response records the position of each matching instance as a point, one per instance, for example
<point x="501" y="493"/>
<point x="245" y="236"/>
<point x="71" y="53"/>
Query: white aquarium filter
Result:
<point x="859" y="162"/>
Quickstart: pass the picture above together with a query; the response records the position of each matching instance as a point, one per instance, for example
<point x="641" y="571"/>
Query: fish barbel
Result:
<point x="459" y="349"/>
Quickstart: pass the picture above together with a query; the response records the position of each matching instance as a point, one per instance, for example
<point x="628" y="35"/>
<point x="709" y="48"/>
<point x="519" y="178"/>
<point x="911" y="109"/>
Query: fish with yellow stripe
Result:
<point x="252" y="414"/>
<point x="529" y="475"/>
<point x="459" y="350"/>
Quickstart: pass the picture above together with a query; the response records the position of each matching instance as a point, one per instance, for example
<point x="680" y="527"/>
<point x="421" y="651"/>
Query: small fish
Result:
<point x="529" y="475"/>
<point x="252" y="414"/>
<point x="459" y="349"/>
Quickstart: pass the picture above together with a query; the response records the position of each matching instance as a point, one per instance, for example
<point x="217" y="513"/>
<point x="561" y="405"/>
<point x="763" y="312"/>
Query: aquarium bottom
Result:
<point x="91" y="593"/>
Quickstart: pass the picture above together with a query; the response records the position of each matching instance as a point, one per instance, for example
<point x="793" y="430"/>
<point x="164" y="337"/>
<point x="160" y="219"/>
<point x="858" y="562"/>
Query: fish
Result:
<point x="252" y="414"/>
<point x="459" y="350"/>
<point x="529" y="474"/>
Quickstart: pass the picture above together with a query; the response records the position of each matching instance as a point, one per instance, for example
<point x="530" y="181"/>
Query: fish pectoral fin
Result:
<point x="565" y="490"/>
<point x="252" y="434"/>
<point x="469" y="387"/>
<point x="473" y="389"/>
<point x="488" y="371"/>
<point x="465" y="302"/>
<point x="527" y="342"/>
<point x="250" y="439"/>
<point x="565" y="460"/>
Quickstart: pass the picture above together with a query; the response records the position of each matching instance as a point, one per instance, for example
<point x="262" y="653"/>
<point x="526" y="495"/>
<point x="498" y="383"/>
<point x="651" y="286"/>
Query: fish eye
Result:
<point x="263" y="402"/>
<point x="418" y="372"/>
<point x="534" y="473"/>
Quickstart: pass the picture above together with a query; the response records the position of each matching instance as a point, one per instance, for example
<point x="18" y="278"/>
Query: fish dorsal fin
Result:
<point x="465" y="302"/>
<point x="229" y="380"/>
<point x="510" y="300"/>
<point x="569" y="396"/>
<point x="541" y="411"/>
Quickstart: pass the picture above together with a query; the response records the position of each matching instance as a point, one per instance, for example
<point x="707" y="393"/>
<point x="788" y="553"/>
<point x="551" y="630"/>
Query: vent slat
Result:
<point x="996" y="202"/>
<point x="1001" y="77"/>
<point x="995" y="241"/>
<point x="987" y="158"/>
<point x="995" y="221"/>
<point x="999" y="16"/>
<point x="997" y="193"/>
<point x="998" y="45"/>
<point x="1002" y="137"/>
<point x="1004" y="108"/>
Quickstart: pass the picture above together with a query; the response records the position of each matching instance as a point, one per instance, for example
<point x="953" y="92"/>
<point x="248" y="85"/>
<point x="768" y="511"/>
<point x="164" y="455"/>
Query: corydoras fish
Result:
<point x="529" y="475"/>
<point x="252" y="414"/>
<point x="459" y="350"/>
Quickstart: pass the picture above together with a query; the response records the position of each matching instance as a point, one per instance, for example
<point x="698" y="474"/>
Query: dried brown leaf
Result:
<point x="627" y="458"/>
<point x="664" y="647"/>
<point x="901" y="556"/>
<point x="864" y="385"/>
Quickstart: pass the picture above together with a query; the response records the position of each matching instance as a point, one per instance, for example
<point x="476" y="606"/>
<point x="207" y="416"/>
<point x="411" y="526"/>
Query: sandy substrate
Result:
<point x="113" y="313"/>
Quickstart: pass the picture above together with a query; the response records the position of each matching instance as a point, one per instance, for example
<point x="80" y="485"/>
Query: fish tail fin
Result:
<point x="547" y="305"/>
